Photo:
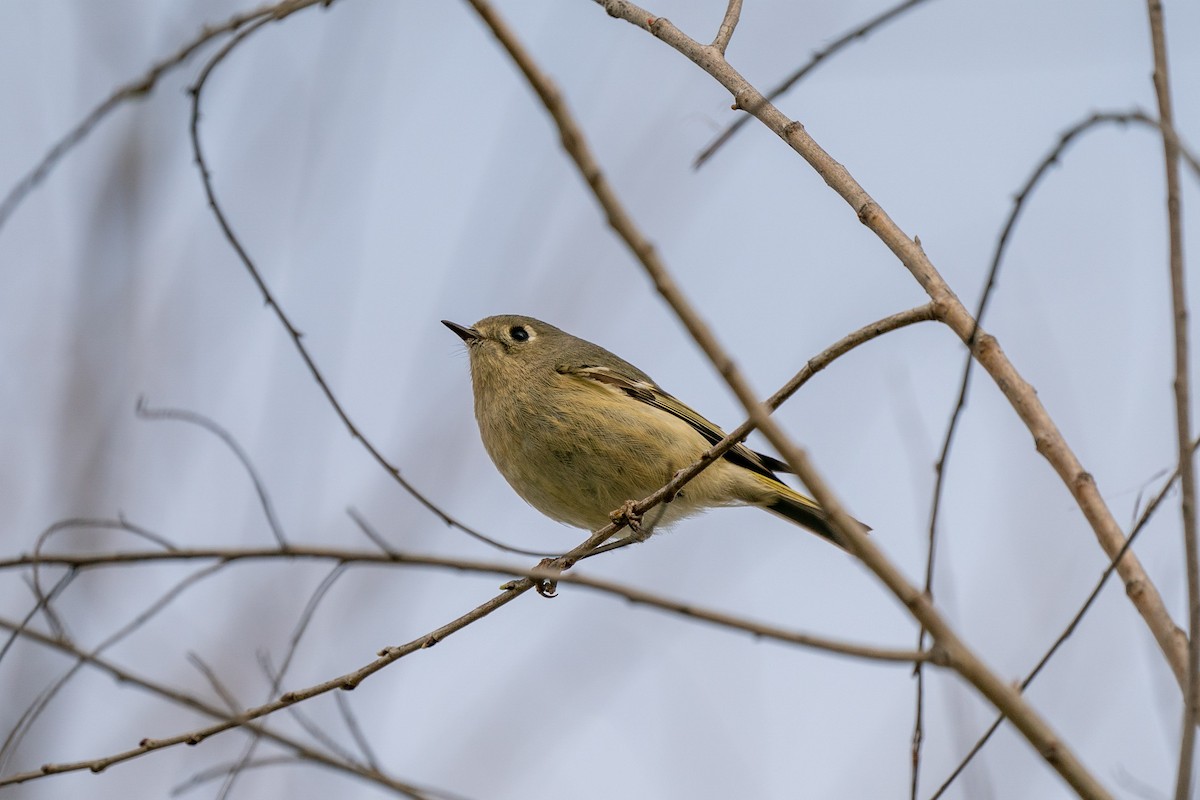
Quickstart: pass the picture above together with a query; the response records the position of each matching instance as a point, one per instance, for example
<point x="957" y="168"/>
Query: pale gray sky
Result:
<point x="386" y="168"/>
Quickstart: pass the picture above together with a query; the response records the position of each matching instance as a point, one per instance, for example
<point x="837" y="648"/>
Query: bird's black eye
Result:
<point x="518" y="333"/>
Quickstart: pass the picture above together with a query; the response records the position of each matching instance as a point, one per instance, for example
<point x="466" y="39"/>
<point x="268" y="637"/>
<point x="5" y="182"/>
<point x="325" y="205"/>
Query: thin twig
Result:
<point x="814" y="365"/>
<point x="43" y="605"/>
<point x="825" y="52"/>
<point x="58" y="587"/>
<point x="1020" y="201"/>
<point x="633" y="594"/>
<point x="733" y="12"/>
<point x="276" y="676"/>
<point x="21" y="729"/>
<point x="1071" y="626"/>
<point x="136" y="90"/>
<point x="219" y="771"/>
<point x="317" y="732"/>
<point x="1182" y="386"/>
<point x="544" y="575"/>
<point x="144" y="411"/>
<point x="369" y="531"/>
<point x="344" y="682"/>
<point x="218" y="686"/>
<point x="214" y="205"/>
<point x="356" y="731"/>
<point x="125" y="677"/>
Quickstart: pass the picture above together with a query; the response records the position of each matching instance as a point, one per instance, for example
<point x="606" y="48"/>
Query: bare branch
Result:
<point x="547" y="572"/>
<point x="356" y="732"/>
<point x="941" y="465"/>
<point x="814" y="365"/>
<point x="42" y="701"/>
<point x="950" y="311"/>
<point x="1071" y="626"/>
<point x="861" y="32"/>
<point x="633" y="594"/>
<point x="1182" y="386"/>
<point x="1053" y="749"/>
<point x="732" y="13"/>
<point x="144" y="411"/>
<point x="221" y="770"/>
<point x="294" y="332"/>
<point x="210" y="675"/>
<point x="345" y="682"/>
<point x="276" y="676"/>
<point x="185" y="700"/>
<point x="136" y="90"/>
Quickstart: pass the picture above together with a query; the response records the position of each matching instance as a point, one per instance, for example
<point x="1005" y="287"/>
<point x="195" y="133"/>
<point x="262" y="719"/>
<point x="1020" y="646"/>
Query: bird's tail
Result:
<point x="804" y="511"/>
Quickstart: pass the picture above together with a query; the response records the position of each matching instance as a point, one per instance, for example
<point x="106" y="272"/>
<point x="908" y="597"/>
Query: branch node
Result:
<point x="940" y="656"/>
<point x="743" y="97"/>
<point x="791" y="128"/>
<point x="986" y="343"/>
<point x="867" y="213"/>
<point x="1135" y="588"/>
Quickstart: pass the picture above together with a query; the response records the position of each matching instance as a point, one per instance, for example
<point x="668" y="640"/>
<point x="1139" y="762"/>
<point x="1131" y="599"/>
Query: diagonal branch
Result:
<point x="861" y="32"/>
<point x="226" y="722"/>
<point x="950" y="311"/>
<point x="1151" y="507"/>
<point x="941" y="466"/>
<point x="1005" y="697"/>
<point x="187" y="701"/>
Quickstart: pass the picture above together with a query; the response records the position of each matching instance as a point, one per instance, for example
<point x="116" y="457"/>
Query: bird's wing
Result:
<point x="648" y="393"/>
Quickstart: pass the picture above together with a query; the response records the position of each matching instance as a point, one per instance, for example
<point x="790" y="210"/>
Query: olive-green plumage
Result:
<point x="578" y="432"/>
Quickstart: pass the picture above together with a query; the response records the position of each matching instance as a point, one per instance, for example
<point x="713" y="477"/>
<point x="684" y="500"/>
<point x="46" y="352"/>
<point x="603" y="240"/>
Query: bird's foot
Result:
<point x="627" y="515"/>
<point x="547" y="587"/>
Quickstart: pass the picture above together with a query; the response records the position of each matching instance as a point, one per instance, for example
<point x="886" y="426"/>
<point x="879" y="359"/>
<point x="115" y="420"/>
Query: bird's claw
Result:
<point x="628" y="516"/>
<point x="547" y="587"/>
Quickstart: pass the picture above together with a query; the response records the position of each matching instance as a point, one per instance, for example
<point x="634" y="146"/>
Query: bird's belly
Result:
<point x="579" y="474"/>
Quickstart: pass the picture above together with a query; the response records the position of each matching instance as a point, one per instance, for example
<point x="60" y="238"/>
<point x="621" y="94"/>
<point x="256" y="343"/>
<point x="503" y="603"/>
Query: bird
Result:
<point x="579" y="433"/>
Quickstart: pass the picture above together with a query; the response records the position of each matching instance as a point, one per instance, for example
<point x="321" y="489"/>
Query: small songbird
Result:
<point x="579" y="432"/>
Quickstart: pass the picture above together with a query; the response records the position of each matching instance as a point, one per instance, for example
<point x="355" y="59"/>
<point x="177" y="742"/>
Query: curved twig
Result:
<point x="214" y="205"/>
<point x="144" y="411"/>
<point x="135" y="90"/>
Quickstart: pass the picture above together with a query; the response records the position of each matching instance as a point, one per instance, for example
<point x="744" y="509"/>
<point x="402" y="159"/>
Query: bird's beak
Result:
<point x="468" y="335"/>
